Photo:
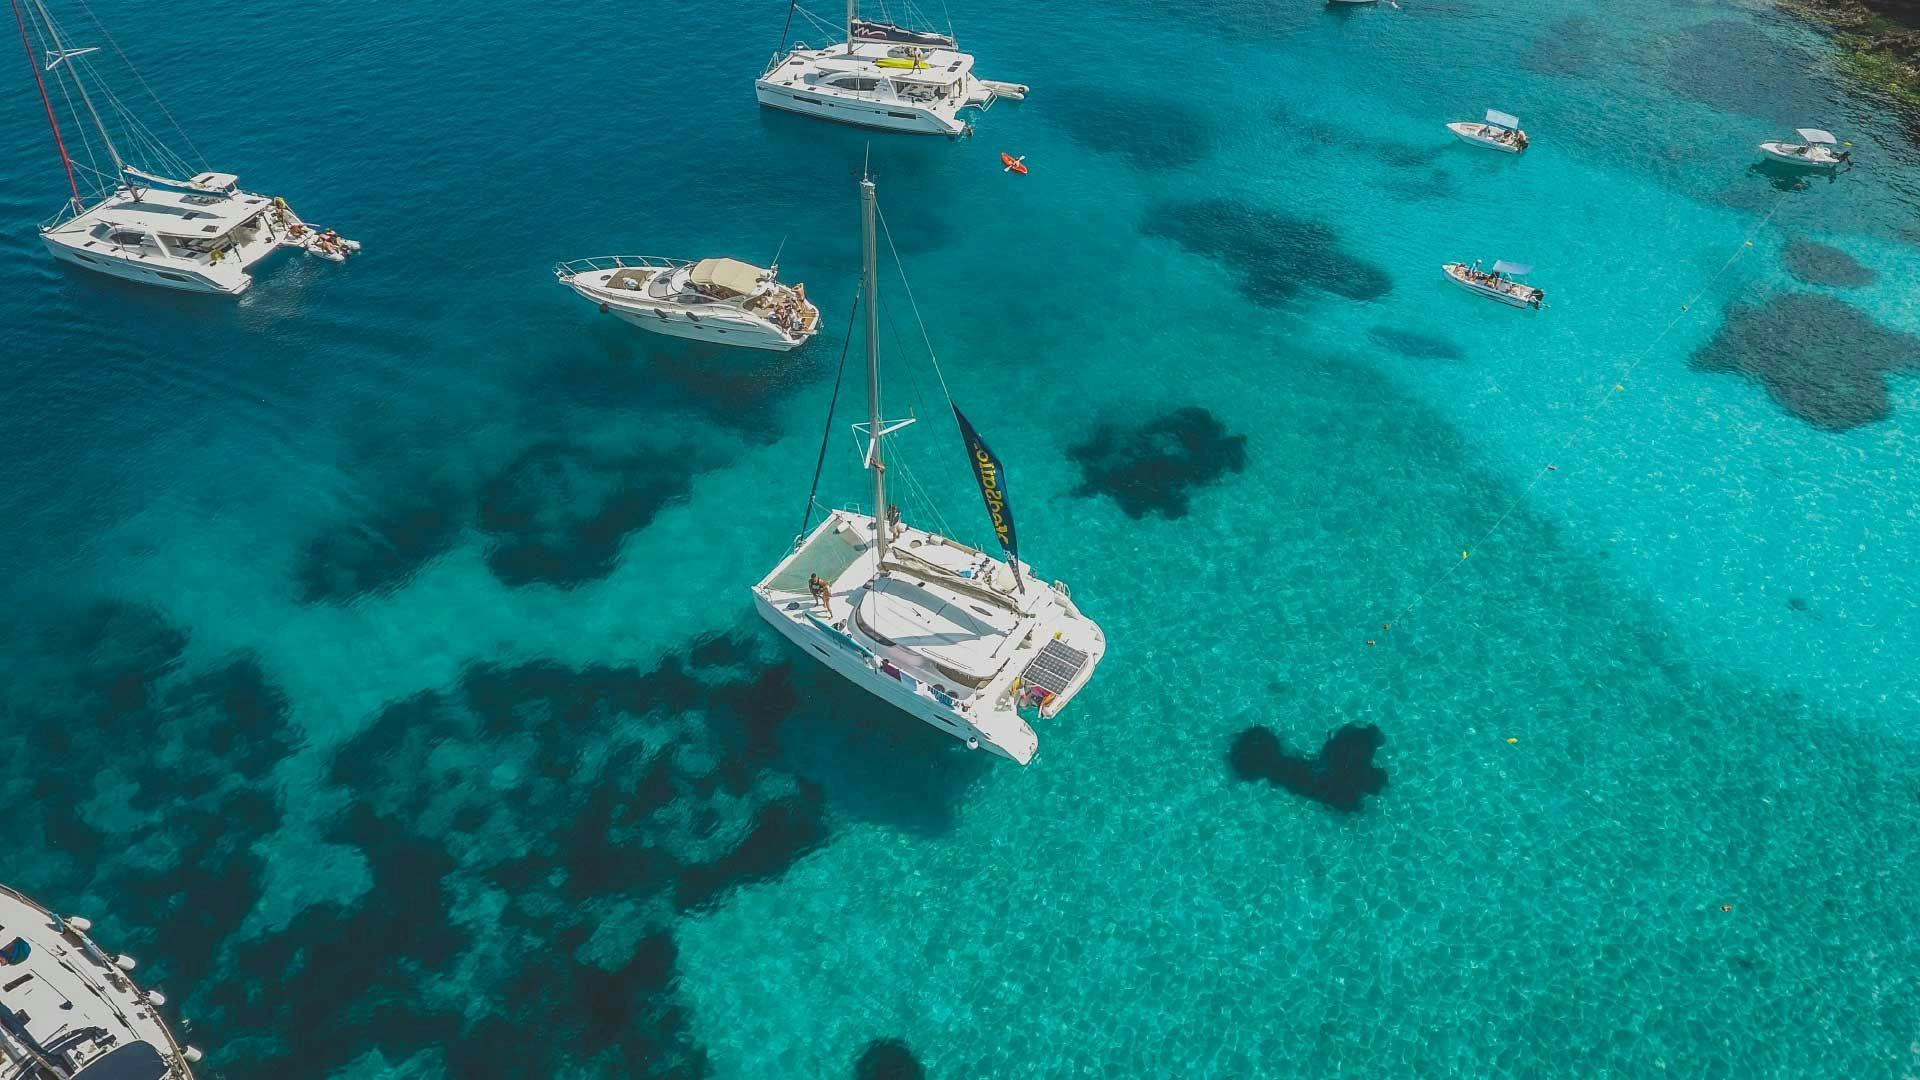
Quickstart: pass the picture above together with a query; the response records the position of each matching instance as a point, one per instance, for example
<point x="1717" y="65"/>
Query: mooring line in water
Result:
<point x="1585" y="423"/>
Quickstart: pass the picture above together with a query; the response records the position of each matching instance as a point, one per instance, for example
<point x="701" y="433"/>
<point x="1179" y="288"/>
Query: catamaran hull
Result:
<point x="855" y="670"/>
<point x="135" y="269"/>
<point x="877" y="115"/>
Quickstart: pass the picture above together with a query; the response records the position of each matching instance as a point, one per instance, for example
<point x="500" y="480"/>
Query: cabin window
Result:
<point x="855" y="82"/>
<point x="902" y="115"/>
<point x="172" y="277"/>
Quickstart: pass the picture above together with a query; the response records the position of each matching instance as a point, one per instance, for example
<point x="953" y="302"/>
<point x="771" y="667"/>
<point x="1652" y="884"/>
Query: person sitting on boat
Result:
<point x="822" y="593"/>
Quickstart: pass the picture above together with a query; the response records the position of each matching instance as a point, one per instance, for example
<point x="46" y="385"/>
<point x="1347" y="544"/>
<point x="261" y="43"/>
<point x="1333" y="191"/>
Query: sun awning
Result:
<point x="1815" y="135"/>
<point x="728" y="275"/>
<point x="1505" y="120"/>
<point x="1502" y="266"/>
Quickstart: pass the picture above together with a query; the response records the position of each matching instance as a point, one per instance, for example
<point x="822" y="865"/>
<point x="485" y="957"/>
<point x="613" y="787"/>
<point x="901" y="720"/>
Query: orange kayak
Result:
<point x="1014" y="164"/>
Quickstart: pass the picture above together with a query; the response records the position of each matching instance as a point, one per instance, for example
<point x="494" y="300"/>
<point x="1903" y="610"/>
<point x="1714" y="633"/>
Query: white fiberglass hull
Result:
<point x="719" y="324"/>
<point x="815" y="643"/>
<point x="680" y="324"/>
<point x="147" y="269"/>
<point x="878" y="115"/>
<point x="1818" y="157"/>
<point x="1478" y="135"/>
<point x="1526" y="297"/>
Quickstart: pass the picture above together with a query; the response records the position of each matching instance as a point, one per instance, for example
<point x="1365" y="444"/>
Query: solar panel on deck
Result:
<point x="1055" y="667"/>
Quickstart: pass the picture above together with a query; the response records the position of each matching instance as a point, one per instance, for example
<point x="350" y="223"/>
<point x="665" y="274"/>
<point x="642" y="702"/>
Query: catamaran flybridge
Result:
<point x="724" y="301"/>
<point x="885" y="76"/>
<point x="200" y="234"/>
<point x="69" y="1010"/>
<point x="969" y="643"/>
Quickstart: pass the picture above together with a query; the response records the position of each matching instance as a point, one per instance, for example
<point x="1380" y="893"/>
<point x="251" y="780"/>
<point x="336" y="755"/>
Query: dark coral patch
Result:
<point x="1564" y="47"/>
<point x="1415" y="345"/>
<point x="888" y="1059"/>
<point x="381" y="553"/>
<point x="1819" y="264"/>
<point x="1275" y="257"/>
<point x="558" y="513"/>
<point x="1773" y="76"/>
<point x="154" y="786"/>
<point x="1823" y="360"/>
<point x="113" y="654"/>
<point x="1150" y="133"/>
<point x="1339" y="776"/>
<point x="1154" y="468"/>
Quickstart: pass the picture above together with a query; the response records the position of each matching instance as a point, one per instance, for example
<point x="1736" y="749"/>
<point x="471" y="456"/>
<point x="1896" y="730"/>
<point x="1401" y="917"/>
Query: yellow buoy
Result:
<point x="1511" y="741"/>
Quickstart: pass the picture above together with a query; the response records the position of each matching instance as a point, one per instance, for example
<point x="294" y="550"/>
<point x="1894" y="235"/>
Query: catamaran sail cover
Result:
<point x="211" y="184"/>
<point x="864" y="30"/>
<point x="1815" y="135"/>
<point x="1505" y="120"/>
<point x="730" y="277"/>
<point x="1502" y="266"/>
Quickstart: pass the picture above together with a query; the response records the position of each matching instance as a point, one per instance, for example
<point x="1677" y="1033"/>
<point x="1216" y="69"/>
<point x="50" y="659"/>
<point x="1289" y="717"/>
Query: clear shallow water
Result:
<point x="426" y="710"/>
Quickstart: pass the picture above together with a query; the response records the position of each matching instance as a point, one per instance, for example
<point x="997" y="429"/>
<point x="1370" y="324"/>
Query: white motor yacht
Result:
<point x="71" y="1011"/>
<point x="1817" y="150"/>
<point x="972" y="644"/>
<point x="1501" y="131"/>
<point x="1496" y="284"/>
<point x="724" y="301"/>
<point x="199" y="234"/>
<point x="885" y="77"/>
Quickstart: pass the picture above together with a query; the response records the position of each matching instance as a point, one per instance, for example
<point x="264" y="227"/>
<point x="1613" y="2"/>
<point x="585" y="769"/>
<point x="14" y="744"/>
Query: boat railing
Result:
<point x="575" y="267"/>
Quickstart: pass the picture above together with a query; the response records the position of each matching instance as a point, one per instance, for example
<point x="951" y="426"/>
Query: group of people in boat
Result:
<point x="789" y="309"/>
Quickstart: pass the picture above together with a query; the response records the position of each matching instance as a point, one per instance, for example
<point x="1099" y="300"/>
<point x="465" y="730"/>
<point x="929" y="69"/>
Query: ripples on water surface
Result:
<point x="383" y="675"/>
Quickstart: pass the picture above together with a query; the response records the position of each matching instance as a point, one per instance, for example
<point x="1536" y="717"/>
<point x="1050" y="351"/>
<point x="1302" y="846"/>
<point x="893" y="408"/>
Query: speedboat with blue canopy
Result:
<point x="1497" y="283"/>
<point x="1500" y="131"/>
<point x="1816" y="149"/>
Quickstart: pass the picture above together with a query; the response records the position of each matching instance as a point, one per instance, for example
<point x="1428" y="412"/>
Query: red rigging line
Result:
<point x="52" y="120"/>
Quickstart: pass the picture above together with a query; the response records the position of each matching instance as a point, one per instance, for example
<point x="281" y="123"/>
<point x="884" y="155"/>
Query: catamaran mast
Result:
<point x="870" y="284"/>
<point x="33" y="60"/>
<point x="62" y="54"/>
<point x="853" y="16"/>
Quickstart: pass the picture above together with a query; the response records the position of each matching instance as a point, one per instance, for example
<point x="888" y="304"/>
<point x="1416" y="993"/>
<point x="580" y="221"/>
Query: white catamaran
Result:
<point x="199" y="234"/>
<point x="966" y="642"/>
<point x="885" y="77"/>
<point x="71" y="1011"/>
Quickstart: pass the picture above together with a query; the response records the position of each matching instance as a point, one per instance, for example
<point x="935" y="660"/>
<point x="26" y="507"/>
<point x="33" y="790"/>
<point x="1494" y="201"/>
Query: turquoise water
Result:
<point x="383" y="674"/>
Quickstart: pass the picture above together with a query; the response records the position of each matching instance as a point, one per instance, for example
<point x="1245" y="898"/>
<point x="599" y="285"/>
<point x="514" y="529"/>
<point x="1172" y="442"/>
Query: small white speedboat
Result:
<point x="1819" y="150"/>
<point x="1496" y="284"/>
<point x="1501" y="132"/>
<point x="724" y="301"/>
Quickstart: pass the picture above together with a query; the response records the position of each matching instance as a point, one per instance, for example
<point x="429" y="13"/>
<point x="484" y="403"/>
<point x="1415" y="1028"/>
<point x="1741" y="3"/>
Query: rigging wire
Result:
<point x="1585" y="424"/>
<point x="825" y="436"/>
<point x="785" y="27"/>
<point x="128" y="61"/>
<point x="915" y="305"/>
<point x="52" y="121"/>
